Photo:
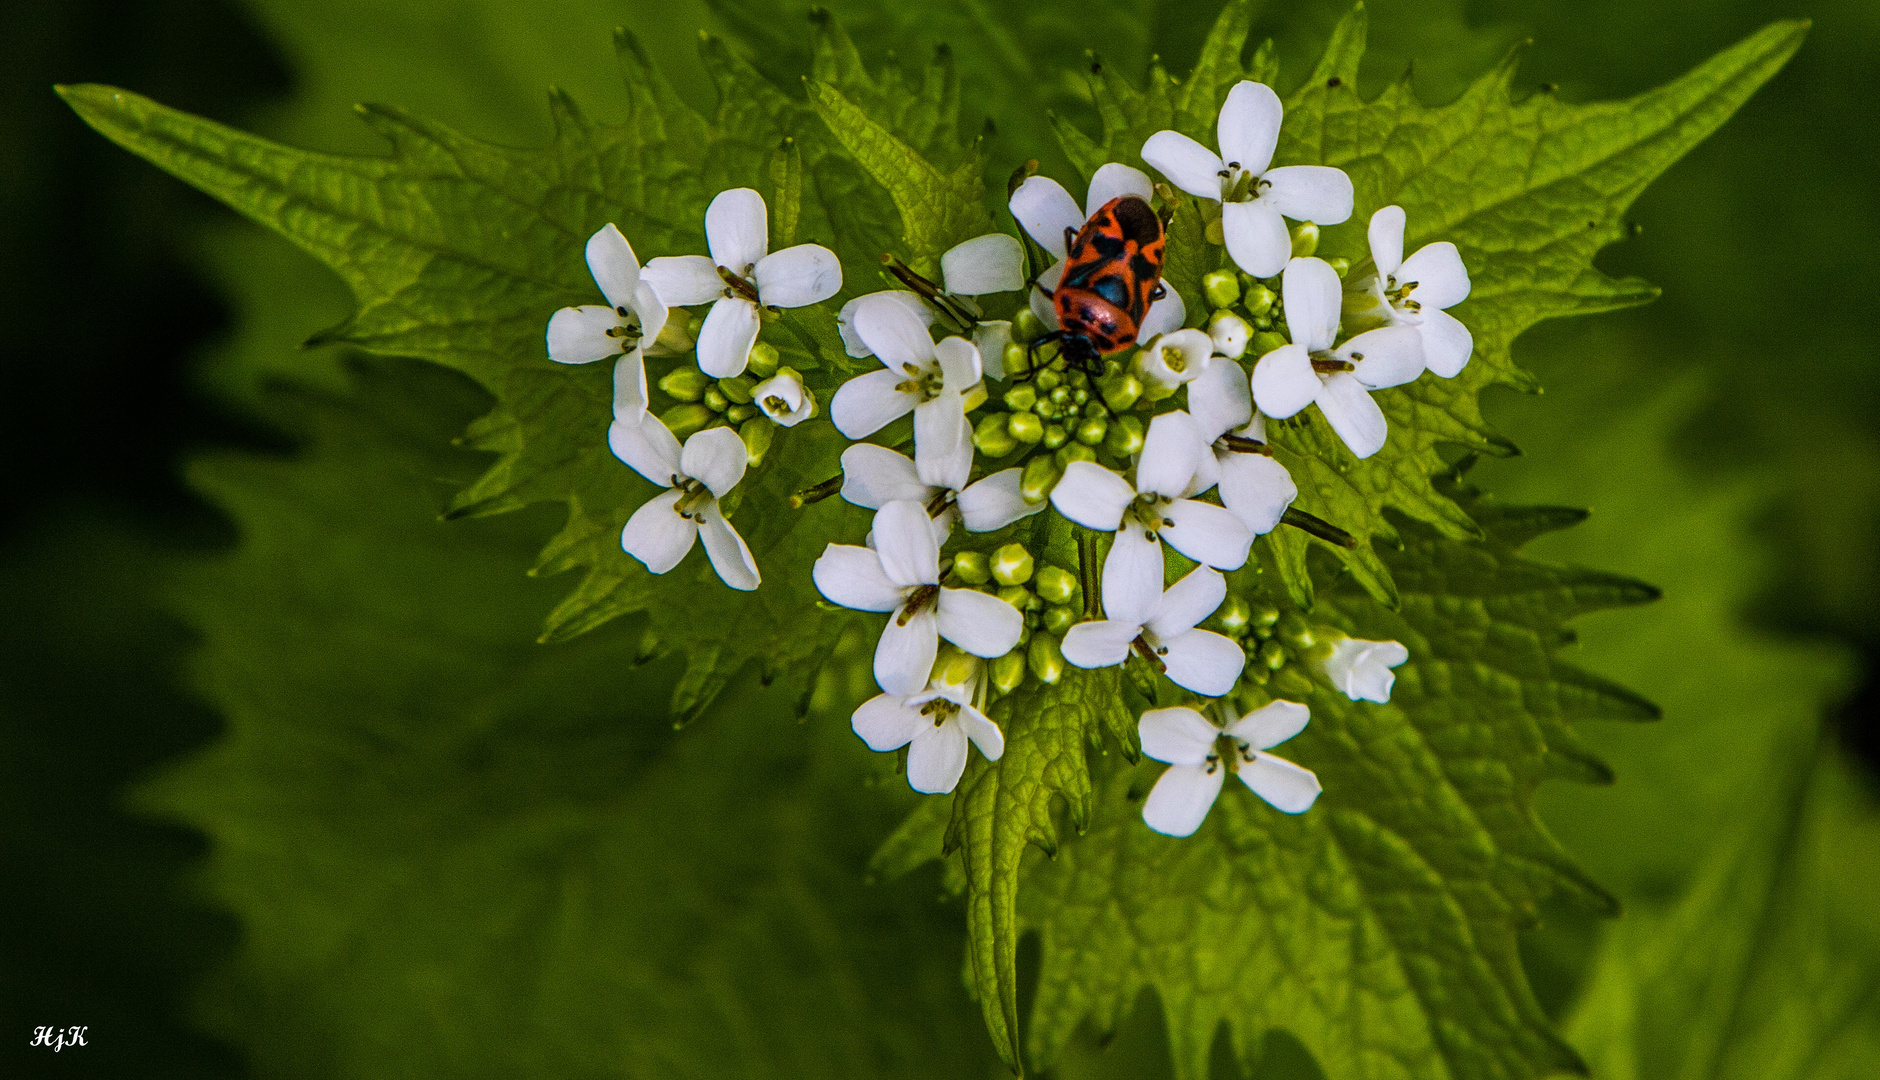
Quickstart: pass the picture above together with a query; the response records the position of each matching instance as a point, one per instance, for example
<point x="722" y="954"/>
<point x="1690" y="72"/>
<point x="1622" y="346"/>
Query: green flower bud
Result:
<point x="1125" y="437"/>
<point x="1058" y="618"/>
<point x="1011" y="565"/>
<point x="1017" y="359"/>
<point x="955" y="666"/>
<point x="1008" y="672"/>
<point x="1092" y="430"/>
<point x="1047" y="381"/>
<point x="1121" y="391"/>
<point x="715" y="399"/>
<point x="1259" y="300"/>
<point x="1024" y="427"/>
<point x="1222" y="288"/>
<point x="991" y="438"/>
<point x="1341" y="264"/>
<point x="1045" y="409"/>
<point x="1016" y="595"/>
<point x="1026" y="328"/>
<point x="971" y="567"/>
<point x="1294" y="631"/>
<point x="1061" y="396"/>
<point x="1291" y="682"/>
<point x="1096" y="408"/>
<point x="1080" y="396"/>
<point x="1232" y="616"/>
<point x="1230" y="334"/>
<point x="1055" y="436"/>
<point x="1056" y="584"/>
<point x="685" y="383"/>
<point x="1215" y="233"/>
<point x="1272" y="654"/>
<point x="738" y="414"/>
<point x="757" y="433"/>
<point x="1262" y="615"/>
<point x="1040" y="476"/>
<point x="738" y="390"/>
<point x="1074" y="452"/>
<point x="694" y="324"/>
<point x="1020" y="398"/>
<point x="1266" y="341"/>
<point x="686" y="419"/>
<point x="1046" y="658"/>
<point x="1257" y="674"/>
<point x="1305" y="239"/>
<point x="764" y="360"/>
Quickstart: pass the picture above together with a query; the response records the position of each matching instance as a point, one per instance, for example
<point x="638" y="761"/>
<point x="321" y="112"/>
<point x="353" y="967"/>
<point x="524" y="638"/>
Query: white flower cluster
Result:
<point x="1151" y="432"/>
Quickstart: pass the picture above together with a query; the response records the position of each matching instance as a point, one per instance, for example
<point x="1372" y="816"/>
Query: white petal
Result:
<point x="1291" y="789"/>
<point x="1045" y="210"/>
<point x="990" y="338"/>
<point x="1314" y="297"/>
<point x="1202" y="661"/>
<point x="1442" y="280"/>
<point x="984" y="733"/>
<point x="1347" y="405"/>
<point x="798" y="276"/>
<point x="616" y="270"/>
<point x="737" y="230"/>
<point x="959" y="363"/>
<point x="1181" y="799"/>
<point x="1132" y="576"/>
<point x="1362" y="668"/>
<point x="784" y="399"/>
<point x="852" y="577"/>
<point x="1316" y="193"/>
<point x="874" y="476"/>
<point x="1386" y="236"/>
<point x="991" y="263"/>
<point x="1179" y="735"/>
<point x="716" y="458"/>
<point x="1271" y="724"/>
<point x="1446" y="343"/>
<point x="1092" y="495"/>
<point x="904" y="655"/>
<point x="936" y="758"/>
<point x="726" y="549"/>
<point x="1248" y="128"/>
<point x="657" y="535"/>
<point x="648" y="446"/>
<point x="1164" y="316"/>
<point x="943" y="452"/>
<point x="1187" y="602"/>
<point x="724" y="342"/>
<point x="895" y="334"/>
<point x="684" y="280"/>
<point x="652" y="311"/>
<point x="1040" y="302"/>
<point x="1220" y="399"/>
<point x="868" y="403"/>
<point x="1256" y="237"/>
<point x="630" y="386"/>
<point x="852" y="342"/>
<point x="1099" y="644"/>
<point x="1207" y="474"/>
<point x="1169" y="452"/>
<point x="980" y="623"/>
<point x="1390" y="356"/>
<point x="1115" y="180"/>
<point x="1256" y="489"/>
<point x="885" y="723"/>
<point x="1284" y="382"/>
<point x="905" y="542"/>
<point x="994" y="502"/>
<point x="1207" y="533"/>
<point x="1186" y="163"/>
<point x="578" y="335"/>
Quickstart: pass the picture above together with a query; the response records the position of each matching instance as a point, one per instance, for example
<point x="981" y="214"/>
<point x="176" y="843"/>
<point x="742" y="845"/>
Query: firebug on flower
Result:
<point x="1112" y="273"/>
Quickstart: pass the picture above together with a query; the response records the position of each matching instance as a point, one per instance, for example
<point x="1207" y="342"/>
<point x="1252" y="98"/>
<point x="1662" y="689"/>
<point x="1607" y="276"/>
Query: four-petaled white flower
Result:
<point x="1198" y="753"/>
<point x="1052" y="217"/>
<point x="741" y="277"/>
<point x="634" y="313"/>
<point x="1151" y="510"/>
<point x="1414" y="291"/>
<point x="901" y="574"/>
<point x="992" y="263"/>
<point x="927" y="379"/>
<point x="874" y="476"/>
<point x="661" y="532"/>
<point x="1175" y="358"/>
<point x="1161" y="626"/>
<point x="1361" y="669"/>
<point x="1254" y="199"/>
<point x="784" y="398"/>
<point x="1338" y="379"/>
<point x="1253" y="486"/>
<point x="934" y="725"/>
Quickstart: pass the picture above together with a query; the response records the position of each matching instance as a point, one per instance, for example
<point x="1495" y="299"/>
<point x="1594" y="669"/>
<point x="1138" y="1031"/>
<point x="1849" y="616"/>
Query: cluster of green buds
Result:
<point x="1246" y="317"/>
<point x="1050" y="598"/>
<point x="703" y="402"/>
<point x="1282" y="648"/>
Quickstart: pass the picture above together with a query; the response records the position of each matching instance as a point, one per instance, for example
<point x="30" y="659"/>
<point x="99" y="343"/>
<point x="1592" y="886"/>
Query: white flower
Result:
<point x="661" y="532"/>
<point x="634" y="313"/>
<point x="1340" y="380"/>
<point x="784" y="398"/>
<point x="1151" y="510"/>
<point x="1254" y="199"/>
<point x="741" y="276"/>
<point x="1196" y="750"/>
<point x="901" y="574"/>
<point x="1361" y="669"/>
<point x="1052" y="217"/>
<point x="1415" y="291"/>
<point x="1230" y="334"/>
<point x="927" y="379"/>
<point x="1253" y="486"/>
<point x="1161" y="626"/>
<point x="874" y="476"/>
<point x="985" y="264"/>
<point x="1175" y="358"/>
<point x="934" y="725"/>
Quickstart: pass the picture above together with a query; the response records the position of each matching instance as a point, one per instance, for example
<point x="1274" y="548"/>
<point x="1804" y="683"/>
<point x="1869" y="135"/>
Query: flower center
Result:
<point x="1146" y="511"/>
<point x="776" y="406"/>
<point x="1325" y="363"/>
<point x="940" y="503"/>
<point x="919" y="599"/>
<point x="1150" y="650"/>
<point x="1175" y="360"/>
<point x="1231" y="750"/>
<point x="941" y="710"/>
<point x="1239" y="185"/>
<point x="927" y="381"/>
<point x="628" y="328"/>
<point x="694" y="497"/>
<point x="737" y="284"/>
<point x="1398" y="296"/>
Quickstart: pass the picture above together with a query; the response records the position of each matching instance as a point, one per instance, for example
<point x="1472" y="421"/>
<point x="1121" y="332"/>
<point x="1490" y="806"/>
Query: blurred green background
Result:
<point x="1727" y="439"/>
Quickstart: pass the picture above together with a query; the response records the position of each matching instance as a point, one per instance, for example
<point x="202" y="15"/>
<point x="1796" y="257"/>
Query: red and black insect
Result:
<point x="1113" y="272"/>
